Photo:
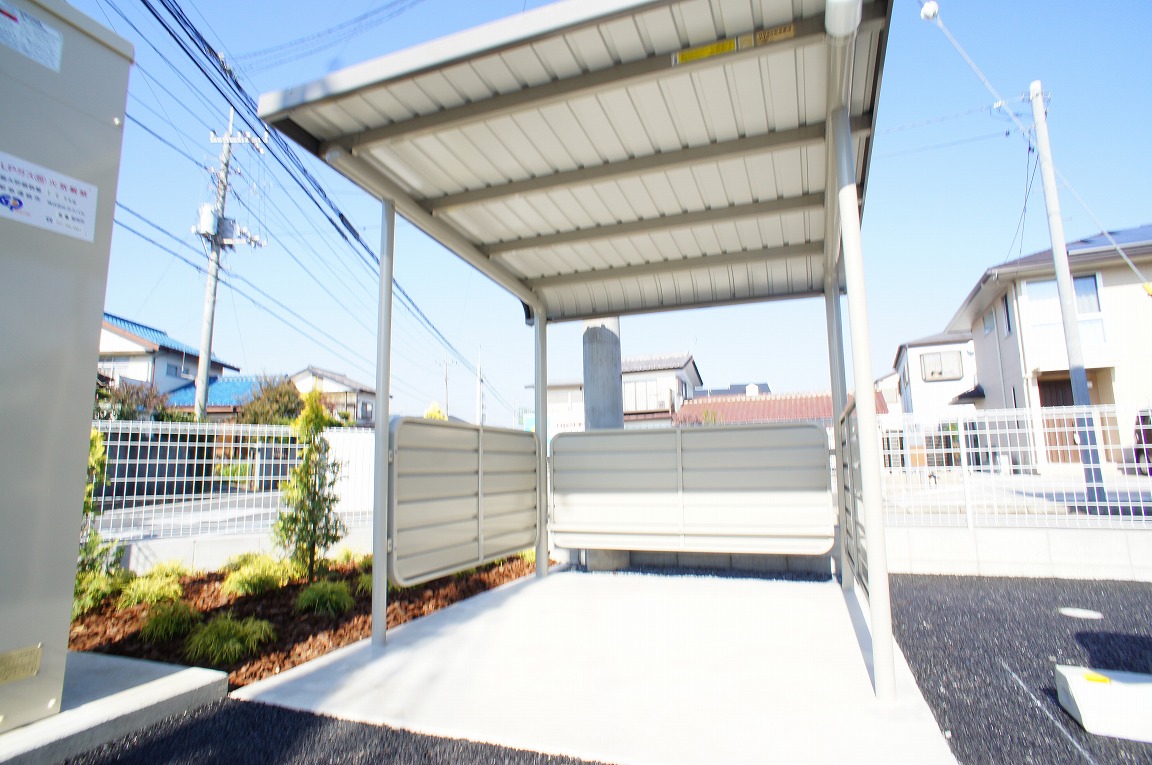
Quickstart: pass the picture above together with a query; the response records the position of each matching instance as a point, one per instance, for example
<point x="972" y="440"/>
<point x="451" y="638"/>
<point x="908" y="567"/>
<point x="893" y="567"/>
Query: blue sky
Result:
<point x="945" y="198"/>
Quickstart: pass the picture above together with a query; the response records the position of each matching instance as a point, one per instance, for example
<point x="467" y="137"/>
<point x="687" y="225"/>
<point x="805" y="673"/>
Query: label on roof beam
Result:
<point x="754" y="40"/>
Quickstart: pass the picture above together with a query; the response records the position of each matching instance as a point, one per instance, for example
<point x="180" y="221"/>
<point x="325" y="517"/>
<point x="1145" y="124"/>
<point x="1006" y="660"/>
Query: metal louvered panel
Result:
<point x="459" y="496"/>
<point x="760" y="489"/>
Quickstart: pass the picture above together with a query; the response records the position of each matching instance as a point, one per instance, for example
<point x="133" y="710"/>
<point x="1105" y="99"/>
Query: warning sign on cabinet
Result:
<point x="46" y="199"/>
<point x="29" y="36"/>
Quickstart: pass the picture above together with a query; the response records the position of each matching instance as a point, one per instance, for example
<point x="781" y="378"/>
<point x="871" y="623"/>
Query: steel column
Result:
<point x="879" y="598"/>
<point x="383" y="457"/>
<point x="541" y="328"/>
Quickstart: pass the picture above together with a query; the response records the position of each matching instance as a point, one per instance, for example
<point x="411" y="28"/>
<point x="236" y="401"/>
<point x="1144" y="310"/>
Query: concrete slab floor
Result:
<point x="632" y="669"/>
<point x="106" y="697"/>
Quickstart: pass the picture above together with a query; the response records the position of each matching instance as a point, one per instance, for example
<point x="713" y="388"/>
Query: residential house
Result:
<point x="1013" y="314"/>
<point x="341" y="393"/>
<point x="137" y="353"/>
<point x="936" y="373"/>
<point x="225" y="396"/>
<point x="739" y="389"/>
<point x="654" y="388"/>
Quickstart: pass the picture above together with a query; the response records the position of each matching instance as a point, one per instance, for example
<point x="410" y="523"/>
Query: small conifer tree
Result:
<point x="310" y="525"/>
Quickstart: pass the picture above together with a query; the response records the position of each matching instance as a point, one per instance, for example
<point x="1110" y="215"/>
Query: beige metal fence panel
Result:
<point x="752" y="489"/>
<point x="1012" y="468"/>
<point x="459" y="496"/>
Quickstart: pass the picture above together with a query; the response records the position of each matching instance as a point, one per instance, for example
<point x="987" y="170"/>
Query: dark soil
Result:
<point x="299" y="637"/>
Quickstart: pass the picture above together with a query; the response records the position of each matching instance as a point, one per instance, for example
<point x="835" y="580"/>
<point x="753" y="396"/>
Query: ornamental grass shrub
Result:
<point x="168" y="621"/>
<point x="150" y="589"/>
<point x="257" y="575"/>
<point x="226" y="640"/>
<point x="331" y="598"/>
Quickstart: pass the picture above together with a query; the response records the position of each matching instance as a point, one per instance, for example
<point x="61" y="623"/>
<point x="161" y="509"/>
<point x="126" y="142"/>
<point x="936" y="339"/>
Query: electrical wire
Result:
<point x="935" y="19"/>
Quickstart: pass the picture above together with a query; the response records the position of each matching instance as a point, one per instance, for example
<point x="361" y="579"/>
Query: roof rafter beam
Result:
<point x="804" y="32"/>
<point x="645" y="225"/>
<point x="679" y="266"/>
<point x="377" y="183"/>
<point x="808" y="135"/>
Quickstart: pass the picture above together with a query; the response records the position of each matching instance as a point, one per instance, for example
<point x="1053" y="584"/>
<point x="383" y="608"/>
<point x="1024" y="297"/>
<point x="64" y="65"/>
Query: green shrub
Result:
<point x="331" y="598"/>
<point x="91" y="589"/>
<point x="259" y="575"/>
<point x="170" y="620"/>
<point x="237" y="562"/>
<point x="364" y="584"/>
<point x="529" y="555"/>
<point x="365" y="563"/>
<point x="173" y="569"/>
<point x="225" y="640"/>
<point x="150" y="589"/>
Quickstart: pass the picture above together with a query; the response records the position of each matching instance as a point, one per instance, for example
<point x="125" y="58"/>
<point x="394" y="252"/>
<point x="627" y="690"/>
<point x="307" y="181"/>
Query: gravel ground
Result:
<point x="247" y="733"/>
<point x="983" y="651"/>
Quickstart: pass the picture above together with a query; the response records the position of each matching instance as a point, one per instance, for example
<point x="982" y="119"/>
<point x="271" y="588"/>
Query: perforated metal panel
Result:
<point x="459" y="495"/>
<point x="758" y="489"/>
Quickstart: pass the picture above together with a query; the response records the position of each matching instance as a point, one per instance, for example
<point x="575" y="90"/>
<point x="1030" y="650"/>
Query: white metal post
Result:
<point x="383" y="429"/>
<point x="541" y="327"/>
<point x="879" y="598"/>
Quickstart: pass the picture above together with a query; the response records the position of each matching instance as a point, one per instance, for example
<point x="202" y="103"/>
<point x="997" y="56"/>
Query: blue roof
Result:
<point x="222" y="391"/>
<point x="158" y="337"/>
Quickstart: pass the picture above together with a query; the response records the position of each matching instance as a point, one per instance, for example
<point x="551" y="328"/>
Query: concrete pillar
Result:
<point x="603" y="392"/>
<point x="603" y="406"/>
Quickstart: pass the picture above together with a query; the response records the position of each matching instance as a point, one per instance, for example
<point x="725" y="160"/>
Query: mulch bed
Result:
<point x="299" y="637"/>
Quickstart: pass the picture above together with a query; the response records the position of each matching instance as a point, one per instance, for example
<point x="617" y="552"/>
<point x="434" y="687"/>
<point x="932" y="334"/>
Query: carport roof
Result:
<point x="607" y="157"/>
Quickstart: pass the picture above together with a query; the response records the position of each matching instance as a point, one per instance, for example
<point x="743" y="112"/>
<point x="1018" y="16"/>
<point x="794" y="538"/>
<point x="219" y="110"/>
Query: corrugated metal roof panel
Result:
<point x="594" y="135"/>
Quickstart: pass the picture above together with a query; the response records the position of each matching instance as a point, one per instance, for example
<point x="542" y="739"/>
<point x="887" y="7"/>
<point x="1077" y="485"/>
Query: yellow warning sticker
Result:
<point x="760" y="37"/>
<point x="1096" y="677"/>
<point x="20" y="664"/>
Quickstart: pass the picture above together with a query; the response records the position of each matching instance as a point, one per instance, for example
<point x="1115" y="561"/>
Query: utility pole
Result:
<point x="220" y="233"/>
<point x="1086" y="434"/>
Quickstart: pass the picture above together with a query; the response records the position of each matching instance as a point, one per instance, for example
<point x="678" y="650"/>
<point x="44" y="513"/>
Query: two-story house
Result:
<point x="654" y="388"/>
<point x="936" y="373"/>
<point x="341" y="393"/>
<point x="1013" y="315"/>
<point x="143" y="355"/>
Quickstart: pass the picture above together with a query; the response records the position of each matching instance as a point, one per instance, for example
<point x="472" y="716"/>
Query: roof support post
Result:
<point x="383" y="428"/>
<point x="541" y="330"/>
<point x="879" y="598"/>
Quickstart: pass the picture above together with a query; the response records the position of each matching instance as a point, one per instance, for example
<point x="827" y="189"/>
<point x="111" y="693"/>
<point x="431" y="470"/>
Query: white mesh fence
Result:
<point x="1070" y="467"/>
<point x="167" y="479"/>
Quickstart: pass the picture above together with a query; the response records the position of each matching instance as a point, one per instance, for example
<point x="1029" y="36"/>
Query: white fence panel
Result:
<point x="459" y="496"/>
<point x="171" y="479"/>
<point x="752" y="489"/>
<point x="1013" y="468"/>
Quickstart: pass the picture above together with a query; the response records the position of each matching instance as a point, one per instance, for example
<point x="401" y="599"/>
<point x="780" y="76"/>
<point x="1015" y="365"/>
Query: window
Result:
<point x="365" y="410"/>
<point x="944" y="365"/>
<point x="989" y="322"/>
<point x="1006" y="303"/>
<point x="176" y="370"/>
<point x="1044" y="316"/>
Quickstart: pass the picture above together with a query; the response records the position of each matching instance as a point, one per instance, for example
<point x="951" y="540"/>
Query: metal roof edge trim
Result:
<point x="510" y="31"/>
<point x="870" y="138"/>
<point x="611" y="312"/>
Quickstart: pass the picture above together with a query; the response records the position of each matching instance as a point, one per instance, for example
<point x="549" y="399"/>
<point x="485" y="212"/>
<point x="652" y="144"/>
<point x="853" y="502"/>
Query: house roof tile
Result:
<point x="336" y="377"/>
<point x="773" y="407"/>
<point x="157" y="337"/>
<point x="227" y="391"/>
